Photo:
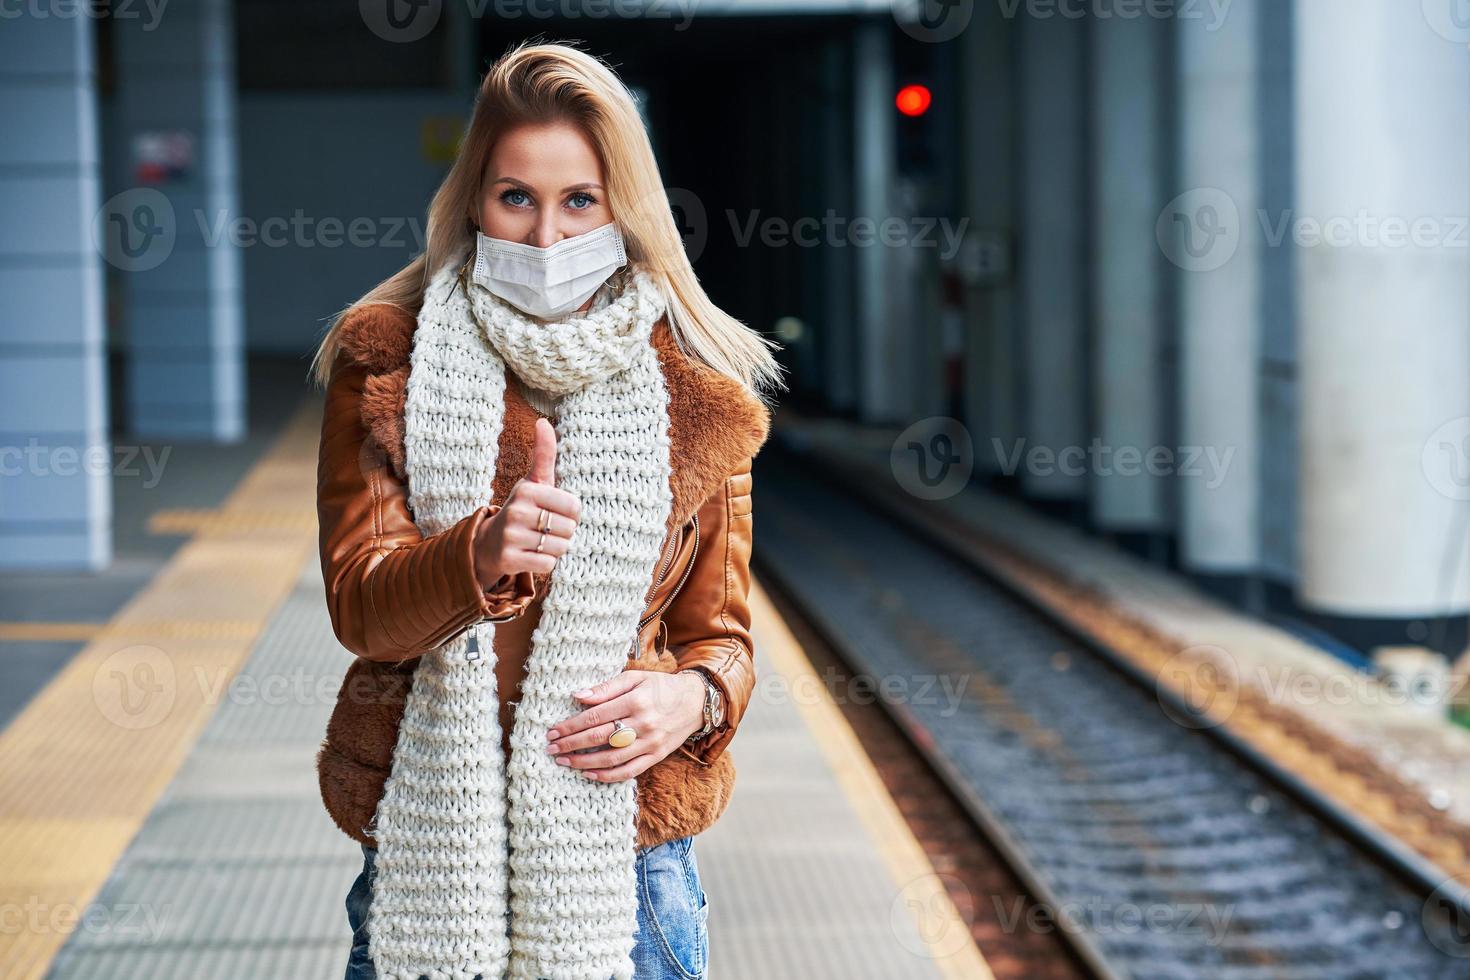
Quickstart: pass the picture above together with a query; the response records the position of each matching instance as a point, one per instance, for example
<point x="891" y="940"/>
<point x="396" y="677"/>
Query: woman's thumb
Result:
<point x="543" y="454"/>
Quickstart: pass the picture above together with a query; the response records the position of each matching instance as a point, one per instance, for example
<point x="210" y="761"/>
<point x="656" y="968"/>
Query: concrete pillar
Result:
<point x="55" y="458"/>
<point x="839" y="281"/>
<point x="918" y="370"/>
<point x="1052" y="131"/>
<point x="883" y="380"/>
<point x="183" y="302"/>
<point x="1383" y="137"/>
<point x="1131" y="481"/>
<point x="465" y="68"/>
<point x="1211" y="235"/>
<point x="987" y="188"/>
<point x="1279" y="381"/>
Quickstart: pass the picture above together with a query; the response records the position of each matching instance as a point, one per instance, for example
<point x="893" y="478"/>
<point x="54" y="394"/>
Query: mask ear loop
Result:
<point x="459" y="279"/>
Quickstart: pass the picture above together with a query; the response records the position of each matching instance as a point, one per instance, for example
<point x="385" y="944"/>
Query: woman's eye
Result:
<point x="513" y="192"/>
<point x="582" y="196"/>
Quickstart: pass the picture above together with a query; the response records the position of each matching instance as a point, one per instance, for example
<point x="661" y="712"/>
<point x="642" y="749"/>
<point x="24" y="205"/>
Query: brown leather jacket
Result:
<point x="394" y="595"/>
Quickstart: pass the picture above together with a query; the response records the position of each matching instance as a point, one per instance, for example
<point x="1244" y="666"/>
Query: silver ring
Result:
<point x="622" y="735"/>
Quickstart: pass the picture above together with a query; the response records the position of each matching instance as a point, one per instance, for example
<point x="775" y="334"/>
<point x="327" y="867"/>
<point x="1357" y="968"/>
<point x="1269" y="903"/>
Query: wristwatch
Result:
<point x="714" y="704"/>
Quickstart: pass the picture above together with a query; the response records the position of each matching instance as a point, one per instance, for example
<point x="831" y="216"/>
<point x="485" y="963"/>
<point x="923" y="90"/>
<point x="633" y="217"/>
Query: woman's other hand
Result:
<point x="664" y="709"/>
<point x="506" y="543"/>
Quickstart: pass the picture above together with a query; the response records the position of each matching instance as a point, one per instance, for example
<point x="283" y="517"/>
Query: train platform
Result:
<point x="159" y="812"/>
<point x="1351" y="738"/>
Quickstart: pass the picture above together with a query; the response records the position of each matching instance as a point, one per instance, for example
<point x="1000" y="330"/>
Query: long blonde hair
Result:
<point x="543" y="83"/>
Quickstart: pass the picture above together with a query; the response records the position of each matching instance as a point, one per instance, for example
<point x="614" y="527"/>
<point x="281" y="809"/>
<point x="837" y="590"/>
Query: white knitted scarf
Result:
<point x="530" y="872"/>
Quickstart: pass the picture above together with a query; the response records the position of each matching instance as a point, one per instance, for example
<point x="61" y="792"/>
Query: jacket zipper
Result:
<point x="682" y="579"/>
<point x="663" y="570"/>
<point x="469" y="621"/>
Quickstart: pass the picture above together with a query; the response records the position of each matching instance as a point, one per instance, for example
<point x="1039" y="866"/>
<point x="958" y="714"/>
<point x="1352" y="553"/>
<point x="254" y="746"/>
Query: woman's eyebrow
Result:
<point x="586" y="185"/>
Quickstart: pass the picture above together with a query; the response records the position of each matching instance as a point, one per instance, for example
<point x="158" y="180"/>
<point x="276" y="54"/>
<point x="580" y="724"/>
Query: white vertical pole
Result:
<point x="1217" y="252"/>
<point x="1052" y="252"/>
<point x="1130" y="485"/>
<point x="1383" y="138"/>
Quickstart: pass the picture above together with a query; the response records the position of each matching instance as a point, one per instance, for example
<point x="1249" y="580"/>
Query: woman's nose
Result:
<point x="544" y="236"/>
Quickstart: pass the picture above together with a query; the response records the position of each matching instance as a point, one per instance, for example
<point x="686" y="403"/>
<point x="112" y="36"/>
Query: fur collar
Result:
<point x="714" y="422"/>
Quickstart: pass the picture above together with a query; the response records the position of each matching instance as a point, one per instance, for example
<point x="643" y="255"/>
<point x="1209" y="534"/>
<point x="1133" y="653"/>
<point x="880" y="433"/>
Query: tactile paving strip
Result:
<point x="88" y="757"/>
<point x="238" y="872"/>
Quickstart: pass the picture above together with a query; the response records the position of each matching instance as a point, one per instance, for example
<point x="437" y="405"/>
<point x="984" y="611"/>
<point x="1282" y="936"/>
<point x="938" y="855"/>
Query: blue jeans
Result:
<point x="673" y="912"/>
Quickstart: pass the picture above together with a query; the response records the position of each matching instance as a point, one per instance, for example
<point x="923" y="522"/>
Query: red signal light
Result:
<point x="913" y="100"/>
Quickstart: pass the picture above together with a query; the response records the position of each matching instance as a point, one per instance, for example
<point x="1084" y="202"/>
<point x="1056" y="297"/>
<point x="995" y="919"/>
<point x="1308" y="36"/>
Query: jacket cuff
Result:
<point x="453" y="551"/>
<point x="512" y="594"/>
<point x="709" y="748"/>
<point x="510" y="597"/>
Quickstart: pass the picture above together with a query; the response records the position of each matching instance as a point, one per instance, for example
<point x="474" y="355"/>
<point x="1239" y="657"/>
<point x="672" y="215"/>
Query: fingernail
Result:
<point x="553" y="735"/>
<point x="581" y="694"/>
<point x="563" y="761"/>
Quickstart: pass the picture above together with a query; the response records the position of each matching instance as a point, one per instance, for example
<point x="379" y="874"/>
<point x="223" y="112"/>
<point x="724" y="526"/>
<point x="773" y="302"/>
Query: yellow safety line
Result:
<point x="938" y="923"/>
<point x="136" y="629"/>
<point x="48" y="632"/>
<point x="85" y="762"/>
<point x="197" y="521"/>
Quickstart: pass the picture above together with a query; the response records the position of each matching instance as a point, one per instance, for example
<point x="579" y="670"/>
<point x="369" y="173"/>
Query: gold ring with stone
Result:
<point x="622" y="736"/>
<point x="545" y="521"/>
<point x="541" y="542"/>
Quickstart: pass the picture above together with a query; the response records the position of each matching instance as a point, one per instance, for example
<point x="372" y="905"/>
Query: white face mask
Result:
<point x="548" y="282"/>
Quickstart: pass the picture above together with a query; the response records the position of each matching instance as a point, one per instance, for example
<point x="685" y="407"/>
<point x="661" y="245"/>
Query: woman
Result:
<point x="534" y="480"/>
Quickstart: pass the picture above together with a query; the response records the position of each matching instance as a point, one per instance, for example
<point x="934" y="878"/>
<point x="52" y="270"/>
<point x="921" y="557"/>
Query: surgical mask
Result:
<point x="549" y="282"/>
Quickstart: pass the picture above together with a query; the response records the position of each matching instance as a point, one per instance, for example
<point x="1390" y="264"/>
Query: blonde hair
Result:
<point x="543" y="83"/>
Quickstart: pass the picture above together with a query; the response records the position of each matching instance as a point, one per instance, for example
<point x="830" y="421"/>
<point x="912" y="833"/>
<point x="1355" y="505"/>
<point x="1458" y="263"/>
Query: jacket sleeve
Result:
<point x="392" y="593"/>
<point x="709" y="620"/>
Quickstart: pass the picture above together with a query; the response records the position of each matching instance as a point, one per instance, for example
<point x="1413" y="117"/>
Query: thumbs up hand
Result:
<point x="508" y="542"/>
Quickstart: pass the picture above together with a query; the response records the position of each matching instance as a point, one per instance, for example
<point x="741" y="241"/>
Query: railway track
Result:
<point x="981" y="883"/>
<point x="1158" y="850"/>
